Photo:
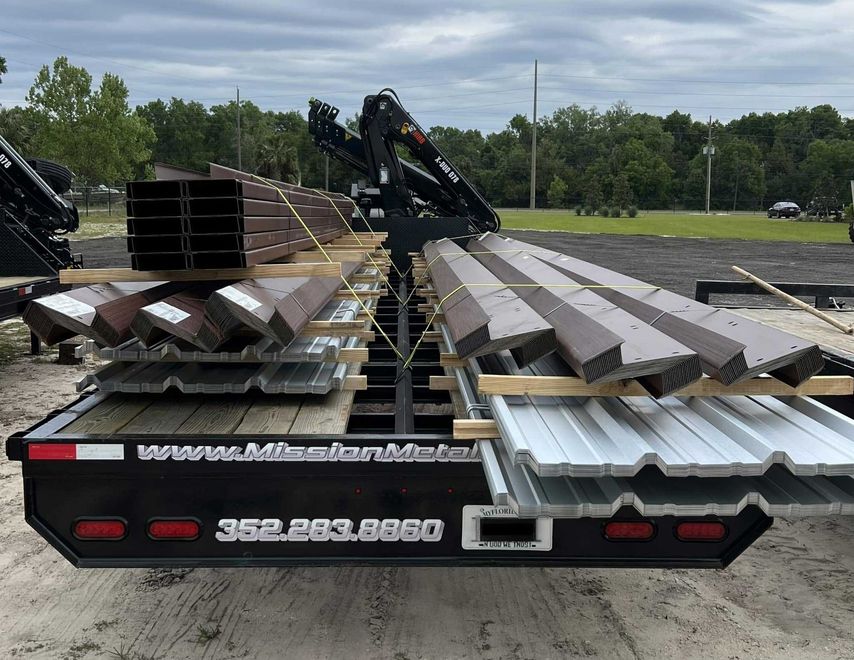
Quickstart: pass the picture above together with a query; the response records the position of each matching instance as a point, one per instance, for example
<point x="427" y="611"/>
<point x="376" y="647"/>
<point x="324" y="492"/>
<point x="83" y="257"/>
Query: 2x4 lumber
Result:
<point x="346" y="294"/>
<point x="102" y="275"/>
<point x="451" y="360"/>
<point x="352" y="355"/>
<point x="443" y="383"/>
<point x="509" y="385"/>
<point x="354" y="383"/>
<point x="475" y="429"/>
<point x="366" y="335"/>
<point x="316" y="256"/>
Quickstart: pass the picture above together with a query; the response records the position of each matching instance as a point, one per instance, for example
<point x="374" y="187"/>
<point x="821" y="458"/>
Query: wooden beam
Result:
<point x="364" y="278"/>
<point x="366" y="335"/>
<point x="345" y="294"/>
<point x="101" y="275"/>
<point x="475" y="429"/>
<point x="451" y="360"/>
<point x="570" y="386"/>
<point x="335" y="325"/>
<point x="352" y="355"/>
<point x="432" y="336"/>
<point x="443" y="383"/>
<point x="355" y="383"/>
<point x="335" y="255"/>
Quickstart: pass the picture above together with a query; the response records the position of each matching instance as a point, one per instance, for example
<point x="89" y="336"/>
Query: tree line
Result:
<point x="584" y="157"/>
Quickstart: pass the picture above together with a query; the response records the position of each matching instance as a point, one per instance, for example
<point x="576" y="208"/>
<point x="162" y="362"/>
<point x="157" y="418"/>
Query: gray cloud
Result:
<point x="465" y="64"/>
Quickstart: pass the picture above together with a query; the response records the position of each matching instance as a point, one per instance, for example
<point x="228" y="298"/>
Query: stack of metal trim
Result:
<point x="600" y="341"/>
<point x="277" y="308"/>
<point x="607" y="326"/>
<point x="103" y="312"/>
<point x="225" y="222"/>
<point x="731" y="347"/>
<point x="485" y="316"/>
<point x="238" y="349"/>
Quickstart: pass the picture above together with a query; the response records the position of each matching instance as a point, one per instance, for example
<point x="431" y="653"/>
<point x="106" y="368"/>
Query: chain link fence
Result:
<point x="100" y="199"/>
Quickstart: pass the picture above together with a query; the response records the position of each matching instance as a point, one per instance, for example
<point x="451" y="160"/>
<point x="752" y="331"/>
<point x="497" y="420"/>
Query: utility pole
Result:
<point x="709" y="151"/>
<point x="534" y="146"/>
<point x="239" y="155"/>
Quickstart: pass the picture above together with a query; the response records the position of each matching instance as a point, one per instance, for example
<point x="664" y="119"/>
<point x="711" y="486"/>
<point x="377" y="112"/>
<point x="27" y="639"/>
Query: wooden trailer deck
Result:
<point x="185" y="414"/>
<point x="805" y="325"/>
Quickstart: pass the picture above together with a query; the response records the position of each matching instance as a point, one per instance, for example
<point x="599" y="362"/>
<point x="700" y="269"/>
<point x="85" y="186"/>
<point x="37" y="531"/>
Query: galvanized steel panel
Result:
<point x="651" y="493"/>
<point x="195" y="378"/>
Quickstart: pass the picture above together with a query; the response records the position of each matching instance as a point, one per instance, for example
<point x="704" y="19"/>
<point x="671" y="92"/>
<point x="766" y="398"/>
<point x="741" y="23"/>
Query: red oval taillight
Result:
<point x="174" y="530"/>
<point x="100" y="530"/>
<point x="629" y="530"/>
<point x="700" y="531"/>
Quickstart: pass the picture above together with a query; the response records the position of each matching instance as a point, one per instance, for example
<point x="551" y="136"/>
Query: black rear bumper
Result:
<point x="395" y="478"/>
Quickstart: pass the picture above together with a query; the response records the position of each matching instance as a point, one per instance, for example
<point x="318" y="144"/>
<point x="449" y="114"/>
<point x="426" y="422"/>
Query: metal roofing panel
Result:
<point x="704" y="436"/>
<point x="651" y="493"/>
<point x="683" y="436"/>
<point x="195" y="378"/>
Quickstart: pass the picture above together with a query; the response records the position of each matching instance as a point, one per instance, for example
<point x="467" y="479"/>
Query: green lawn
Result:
<point x="99" y="224"/>
<point x="748" y="227"/>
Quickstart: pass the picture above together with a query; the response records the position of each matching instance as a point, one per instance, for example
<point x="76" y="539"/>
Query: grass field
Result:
<point x="749" y="227"/>
<point x="99" y="224"/>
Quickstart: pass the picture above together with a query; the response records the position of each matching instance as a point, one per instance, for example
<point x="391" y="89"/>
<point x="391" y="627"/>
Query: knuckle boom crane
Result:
<point x="399" y="188"/>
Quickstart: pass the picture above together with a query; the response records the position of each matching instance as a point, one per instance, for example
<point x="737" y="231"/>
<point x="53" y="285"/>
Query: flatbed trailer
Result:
<point x="17" y="291"/>
<point x="374" y="476"/>
<point x="378" y="480"/>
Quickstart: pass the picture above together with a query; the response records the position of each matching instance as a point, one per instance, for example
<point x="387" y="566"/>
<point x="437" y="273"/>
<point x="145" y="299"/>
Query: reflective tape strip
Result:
<point x="75" y="452"/>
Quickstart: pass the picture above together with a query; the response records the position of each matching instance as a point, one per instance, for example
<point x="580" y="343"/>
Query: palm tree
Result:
<point x="278" y="159"/>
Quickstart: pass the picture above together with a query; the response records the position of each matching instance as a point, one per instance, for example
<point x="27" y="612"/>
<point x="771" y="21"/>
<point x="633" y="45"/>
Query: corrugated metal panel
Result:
<point x="194" y="378"/>
<point x="703" y="436"/>
<point x="777" y="491"/>
<point x="651" y="493"/>
<point x="682" y="436"/>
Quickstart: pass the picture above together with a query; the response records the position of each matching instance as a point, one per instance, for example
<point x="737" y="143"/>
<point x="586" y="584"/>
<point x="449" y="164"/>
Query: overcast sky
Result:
<point x="453" y="63"/>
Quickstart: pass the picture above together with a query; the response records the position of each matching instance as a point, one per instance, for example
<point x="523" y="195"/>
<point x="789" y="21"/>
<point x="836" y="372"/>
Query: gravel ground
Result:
<point x="790" y="595"/>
